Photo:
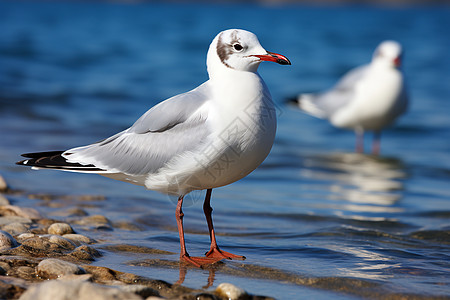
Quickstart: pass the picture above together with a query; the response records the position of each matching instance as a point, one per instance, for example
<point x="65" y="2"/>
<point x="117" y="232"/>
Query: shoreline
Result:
<point x="46" y="259"/>
<point x="43" y="258"/>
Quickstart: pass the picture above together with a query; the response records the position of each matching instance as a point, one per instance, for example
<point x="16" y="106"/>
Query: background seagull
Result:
<point x="367" y="98"/>
<point x="208" y="137"/>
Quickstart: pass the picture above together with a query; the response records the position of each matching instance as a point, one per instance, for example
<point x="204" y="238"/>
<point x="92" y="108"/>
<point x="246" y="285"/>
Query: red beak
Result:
<point x="278" y="58"/>
<point x="397" y="61"/>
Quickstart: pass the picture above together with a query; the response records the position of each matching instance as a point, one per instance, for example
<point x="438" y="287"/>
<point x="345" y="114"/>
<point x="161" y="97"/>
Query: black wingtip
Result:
<point x="41" y="154"/>
<point x="54" y="160"/>
<point x="292" y="101"/>
<point x="22" y="162"/>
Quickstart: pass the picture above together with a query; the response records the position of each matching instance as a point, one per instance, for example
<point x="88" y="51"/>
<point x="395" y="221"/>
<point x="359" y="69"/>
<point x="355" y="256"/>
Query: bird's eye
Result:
<point x="238" y="47"/>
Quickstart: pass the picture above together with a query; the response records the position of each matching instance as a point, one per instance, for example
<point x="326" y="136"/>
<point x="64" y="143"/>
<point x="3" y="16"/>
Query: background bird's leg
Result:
<point x="376" y="142"/>
<point x="359" y="145"/>
<point x="214" y="251"/>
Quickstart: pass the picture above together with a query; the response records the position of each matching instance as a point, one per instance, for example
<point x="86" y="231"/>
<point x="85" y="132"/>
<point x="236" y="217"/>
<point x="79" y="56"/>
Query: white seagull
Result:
<point x="367" y="98"/>
<point x="208" y="137"/>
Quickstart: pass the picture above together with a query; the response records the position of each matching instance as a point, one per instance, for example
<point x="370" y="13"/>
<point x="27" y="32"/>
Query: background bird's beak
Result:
<point x="398" y="61"/>
<point x="278" y="58"/>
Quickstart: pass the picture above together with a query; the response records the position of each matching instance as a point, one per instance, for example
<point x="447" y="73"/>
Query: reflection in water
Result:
<point x="371" y="184"/>
<point x="182" y="266"/>
<point x="211" y="269"/>
<point x="366" y="186"/>
<point x="352" y="286"/>
<point x="371" y="265"/>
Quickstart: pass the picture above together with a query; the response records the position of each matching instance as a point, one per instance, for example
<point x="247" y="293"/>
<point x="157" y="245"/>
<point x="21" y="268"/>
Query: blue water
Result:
<point x="325" y="221"/>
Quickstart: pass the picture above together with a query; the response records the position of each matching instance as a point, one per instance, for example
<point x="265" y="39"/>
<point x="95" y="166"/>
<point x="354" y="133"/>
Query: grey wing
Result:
<point x="172" y="111"/>
<point x="167" y="130"/>
<point x="324" y="104"/>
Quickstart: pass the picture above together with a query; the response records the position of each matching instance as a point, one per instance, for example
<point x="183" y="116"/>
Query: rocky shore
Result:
<point x="42" y="258"/>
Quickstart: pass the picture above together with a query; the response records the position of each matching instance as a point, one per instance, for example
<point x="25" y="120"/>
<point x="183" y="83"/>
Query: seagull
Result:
<point x="367" y="98"/>
<point x="206" y="138"/>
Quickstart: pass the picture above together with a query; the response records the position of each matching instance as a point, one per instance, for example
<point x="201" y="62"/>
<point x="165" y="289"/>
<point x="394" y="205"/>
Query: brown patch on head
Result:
<point x="224" y="50"/>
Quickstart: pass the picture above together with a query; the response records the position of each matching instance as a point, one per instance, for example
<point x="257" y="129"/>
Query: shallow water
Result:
<point x="315" y="220"/>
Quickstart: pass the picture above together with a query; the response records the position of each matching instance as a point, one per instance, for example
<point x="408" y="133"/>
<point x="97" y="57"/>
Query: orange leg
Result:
<point x="184" y="256"/>
<point x="214" y="251"/>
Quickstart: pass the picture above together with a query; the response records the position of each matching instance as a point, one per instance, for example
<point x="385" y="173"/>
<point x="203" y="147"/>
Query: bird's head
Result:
<point x="239" y="50"/>
<point x="388" y="53"/>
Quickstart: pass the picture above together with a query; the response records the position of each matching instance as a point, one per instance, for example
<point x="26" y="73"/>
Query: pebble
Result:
<point x="79" y="239"/>
<point x="25" y="272"/>
<point x="16" y="228"/>
<point x="52" y="268"/>
<point x="37" y="244"/>
<point x="60" y="229"/>
<point x="24" y="212"/>
<point x="62" y="242"/>
<point x="141" y="290"/>
<point x="85" y="253"/>
<point x="102" y="273"/>
<point x="205" y="296"/>
<point x="97" y="222"/>
<point x="4" y="220"/>
<point x="5" y="267"/>
<point x="126" y="226"/>
<point x="16" y="286"/>
<point x="74" y="277"/>
<point x="230" y="292"/>
<point x="61" y="290"/>
<point x="7" y="241"/>
<point x="24" y="236"/>
<point x="69" y="212"/>
<point x="90" y="198"/>
<point x="4" y="200"/>
<point x="3" y="184"/>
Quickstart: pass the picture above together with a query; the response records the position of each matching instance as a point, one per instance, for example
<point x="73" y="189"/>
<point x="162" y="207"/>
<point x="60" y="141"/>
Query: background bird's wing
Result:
<point x="324" y="104"/>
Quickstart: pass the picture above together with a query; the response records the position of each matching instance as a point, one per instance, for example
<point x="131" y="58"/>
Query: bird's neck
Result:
<point x="237" y="90"/>
<point x="379" y="64"/>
